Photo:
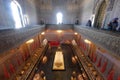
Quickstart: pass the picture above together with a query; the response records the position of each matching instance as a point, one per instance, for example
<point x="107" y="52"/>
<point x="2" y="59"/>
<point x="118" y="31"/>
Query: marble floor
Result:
<point x="70" y="67"/>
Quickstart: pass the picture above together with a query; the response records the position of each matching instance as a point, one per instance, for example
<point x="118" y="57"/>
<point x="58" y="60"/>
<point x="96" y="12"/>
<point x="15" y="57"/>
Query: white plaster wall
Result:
<point x="116" y="10"/>
<point x="87" y="10"/>
<point x="112" y="14"/>
<point x="6" y="19"/>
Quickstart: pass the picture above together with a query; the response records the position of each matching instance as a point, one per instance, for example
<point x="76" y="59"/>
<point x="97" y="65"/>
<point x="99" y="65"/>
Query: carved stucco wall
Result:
<point x="96" y="9"/>
<point x="13" y="38"/>
<point x="111" y="43"/>
<point x="112" y="10"/>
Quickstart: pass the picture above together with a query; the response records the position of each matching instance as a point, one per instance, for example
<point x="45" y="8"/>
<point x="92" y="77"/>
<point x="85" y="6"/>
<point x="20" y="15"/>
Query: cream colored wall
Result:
<point x="86" y="11"/>
<point x="6" y="19"/>
<point x="110" y="14"/>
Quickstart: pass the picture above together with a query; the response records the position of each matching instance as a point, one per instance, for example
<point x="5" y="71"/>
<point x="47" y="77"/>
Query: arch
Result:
<point x="100" y="14"/>
<point x="17" y="14"/>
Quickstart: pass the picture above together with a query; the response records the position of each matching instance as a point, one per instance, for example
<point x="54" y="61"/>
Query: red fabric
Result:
<point x="12" y="69"/>
<point x="118" y="78"/>
<point x="6" y="73"/>
<point x="54" y="43"/>
<point x="110" y="75"/>
<point x="95" y="58"/>
<point x="27" y="54"/>
<point x="104" y="67"/>
<point x="99" y="62"/>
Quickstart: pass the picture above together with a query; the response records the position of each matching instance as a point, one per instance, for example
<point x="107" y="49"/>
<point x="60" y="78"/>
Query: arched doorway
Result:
<point x="100" y="15"/>
<point x="17" y="14"/>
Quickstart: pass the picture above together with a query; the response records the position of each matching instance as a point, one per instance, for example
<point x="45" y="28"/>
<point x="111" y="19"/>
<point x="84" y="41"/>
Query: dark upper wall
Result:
<point x="6" y="19"/>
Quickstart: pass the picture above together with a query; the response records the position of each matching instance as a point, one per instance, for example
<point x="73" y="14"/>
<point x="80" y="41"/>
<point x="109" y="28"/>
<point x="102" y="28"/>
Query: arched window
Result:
<point x="17" y="14"/>
<point x="26" y="19"/>
<point x="59" y="18"/>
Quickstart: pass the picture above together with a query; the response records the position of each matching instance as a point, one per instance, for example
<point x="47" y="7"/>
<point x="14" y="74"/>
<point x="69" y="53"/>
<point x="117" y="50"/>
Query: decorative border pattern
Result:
<point x="109" y="42"/>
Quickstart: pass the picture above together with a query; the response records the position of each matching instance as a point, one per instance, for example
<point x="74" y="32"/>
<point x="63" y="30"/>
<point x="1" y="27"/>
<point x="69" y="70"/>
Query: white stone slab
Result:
<point x="58" y="61"/>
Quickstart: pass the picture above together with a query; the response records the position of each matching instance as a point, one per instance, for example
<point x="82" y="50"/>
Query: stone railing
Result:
<point x="110" y="42"/>
<point x="59" y="26"/>
<point x="13" y="38"/>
